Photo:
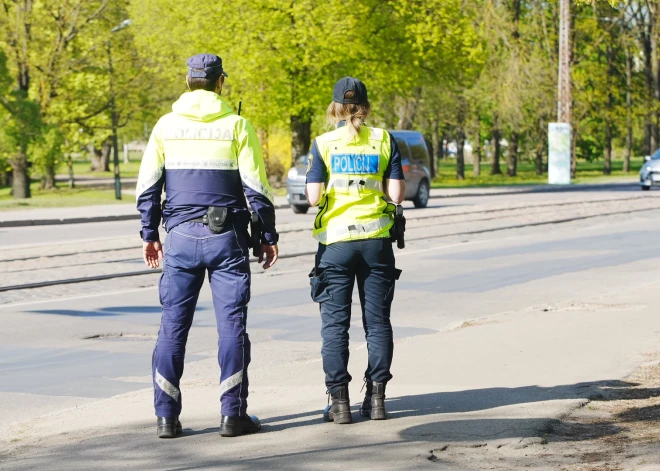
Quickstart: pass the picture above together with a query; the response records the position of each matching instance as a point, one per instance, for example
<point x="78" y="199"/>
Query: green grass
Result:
<point x="586" y="172"/>
<point x="83" y="168"/>
<point x="60" y="198"/>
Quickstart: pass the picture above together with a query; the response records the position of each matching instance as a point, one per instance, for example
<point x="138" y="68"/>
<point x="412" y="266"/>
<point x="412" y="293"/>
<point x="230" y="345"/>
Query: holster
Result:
<point x="256" y="230"/>
<point x="399" y="228"/>
<point x="216" y="218"/>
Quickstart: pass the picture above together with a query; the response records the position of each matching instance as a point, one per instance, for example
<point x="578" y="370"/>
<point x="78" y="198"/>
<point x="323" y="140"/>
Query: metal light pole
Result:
<point x="113" y="110"/>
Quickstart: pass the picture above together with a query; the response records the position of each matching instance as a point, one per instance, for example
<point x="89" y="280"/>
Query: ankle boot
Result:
<point x="378" y="402"/>
<point x="339" y="411"/>
<point x="365" y="408"/>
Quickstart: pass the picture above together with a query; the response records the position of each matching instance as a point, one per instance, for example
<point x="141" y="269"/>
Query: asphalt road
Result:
<point x="94" y="344"/>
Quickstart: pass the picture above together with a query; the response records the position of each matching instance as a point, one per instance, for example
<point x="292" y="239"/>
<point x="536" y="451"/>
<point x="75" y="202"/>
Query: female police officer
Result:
<point x="352" y="170"/>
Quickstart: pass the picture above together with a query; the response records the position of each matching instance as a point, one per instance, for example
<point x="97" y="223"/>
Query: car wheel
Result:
<point x="646" y="187"/>
<point x="422" y="198"/>
<point x="299" y="209"/>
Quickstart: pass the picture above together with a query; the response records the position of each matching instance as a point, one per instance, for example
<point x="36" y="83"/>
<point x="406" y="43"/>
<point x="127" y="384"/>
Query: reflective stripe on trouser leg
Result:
<point x="179" y="289"/>
<point x="234" y="358"/>
<point x="230" y="285"/>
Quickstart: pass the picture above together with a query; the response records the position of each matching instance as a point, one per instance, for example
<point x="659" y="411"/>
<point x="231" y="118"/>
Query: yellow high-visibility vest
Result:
<point x="353" y="206"/>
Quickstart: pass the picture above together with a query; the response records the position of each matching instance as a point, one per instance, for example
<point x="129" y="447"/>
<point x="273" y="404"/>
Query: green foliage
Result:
<point x="449" y="68"/>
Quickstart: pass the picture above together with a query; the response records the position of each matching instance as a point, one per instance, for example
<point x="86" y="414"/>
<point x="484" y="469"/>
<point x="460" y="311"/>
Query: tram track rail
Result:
<point x="410" y="216"/>
<point x="410" y="238"/>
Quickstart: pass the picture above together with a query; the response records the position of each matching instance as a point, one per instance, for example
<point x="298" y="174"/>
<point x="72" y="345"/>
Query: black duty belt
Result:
<point x="217" y="218"/>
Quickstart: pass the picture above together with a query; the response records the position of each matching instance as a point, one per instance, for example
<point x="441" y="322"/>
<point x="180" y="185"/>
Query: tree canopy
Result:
<point x="458" y="70"/>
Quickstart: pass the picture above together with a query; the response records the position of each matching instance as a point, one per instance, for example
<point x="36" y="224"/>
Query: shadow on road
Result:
<point x="364" y="442"/>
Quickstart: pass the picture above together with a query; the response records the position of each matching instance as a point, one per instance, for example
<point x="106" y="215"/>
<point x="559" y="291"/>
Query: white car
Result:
<point x="649" y="174"/>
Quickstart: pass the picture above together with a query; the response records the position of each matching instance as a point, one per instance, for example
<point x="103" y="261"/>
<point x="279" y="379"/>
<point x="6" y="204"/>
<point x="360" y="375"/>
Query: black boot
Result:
<point x="373" y="405"/>
<point x="378" y="402"/>
<point x="365" y="408"/>
<point x="235" y="426"/>
<point x="168" y="427"/>
<point x="339" y="411"/>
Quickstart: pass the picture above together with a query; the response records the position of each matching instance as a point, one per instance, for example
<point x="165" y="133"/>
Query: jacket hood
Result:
<point x="201" y="105"/>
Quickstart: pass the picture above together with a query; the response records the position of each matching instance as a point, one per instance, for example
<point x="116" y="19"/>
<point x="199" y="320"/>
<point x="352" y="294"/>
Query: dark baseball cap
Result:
<point x="348" y="84"/>
<point x="205" y="66"/>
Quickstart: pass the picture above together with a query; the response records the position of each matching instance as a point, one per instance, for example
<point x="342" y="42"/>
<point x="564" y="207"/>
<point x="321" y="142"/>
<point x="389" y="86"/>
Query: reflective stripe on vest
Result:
<point x="345" y="184"/>
<point x="354" y="229"/>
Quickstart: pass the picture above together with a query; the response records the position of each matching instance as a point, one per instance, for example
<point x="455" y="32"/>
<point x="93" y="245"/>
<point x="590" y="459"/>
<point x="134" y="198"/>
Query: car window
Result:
<point x="404" y="149"/>
<point x="656" y="155"/>
<point x="302" y="160"/>
<point x="418" y="150"/>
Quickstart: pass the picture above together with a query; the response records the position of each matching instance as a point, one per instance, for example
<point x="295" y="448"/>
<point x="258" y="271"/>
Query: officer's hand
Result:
<point x="269" y="252"/>
<point x="151" y="253"/>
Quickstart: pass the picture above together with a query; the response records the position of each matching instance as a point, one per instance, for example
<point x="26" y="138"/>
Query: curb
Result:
<point x="524" y="190"/>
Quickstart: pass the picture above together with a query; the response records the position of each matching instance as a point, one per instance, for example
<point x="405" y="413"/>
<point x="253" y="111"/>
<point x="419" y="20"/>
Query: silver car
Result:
<point x="649" y="174"/>
<point x="415" y="161"/>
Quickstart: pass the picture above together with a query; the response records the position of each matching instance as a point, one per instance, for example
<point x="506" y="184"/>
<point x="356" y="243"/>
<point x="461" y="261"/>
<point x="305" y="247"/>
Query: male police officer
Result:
<point x="209" y="159"/>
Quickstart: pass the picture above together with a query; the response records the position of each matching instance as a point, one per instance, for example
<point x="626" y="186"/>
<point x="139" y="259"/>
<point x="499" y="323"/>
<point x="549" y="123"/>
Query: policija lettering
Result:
<point x="206" y="133"/>
<point x="355" y="163"/>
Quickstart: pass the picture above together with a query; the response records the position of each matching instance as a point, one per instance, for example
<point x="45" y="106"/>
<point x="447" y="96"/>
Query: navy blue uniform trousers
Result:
<point x="191" y="250"/>
<point x="338" y="266"/>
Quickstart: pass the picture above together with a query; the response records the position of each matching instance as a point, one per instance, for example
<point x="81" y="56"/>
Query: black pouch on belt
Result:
<point x="217" y="219"/>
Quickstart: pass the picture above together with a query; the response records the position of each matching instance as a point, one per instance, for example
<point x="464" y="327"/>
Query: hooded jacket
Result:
<point x="203" y="155"/>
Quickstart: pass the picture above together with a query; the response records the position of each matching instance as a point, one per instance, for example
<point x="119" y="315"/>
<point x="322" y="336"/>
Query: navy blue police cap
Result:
<point x="205" y="66"/>
<point x="348" y="84"/>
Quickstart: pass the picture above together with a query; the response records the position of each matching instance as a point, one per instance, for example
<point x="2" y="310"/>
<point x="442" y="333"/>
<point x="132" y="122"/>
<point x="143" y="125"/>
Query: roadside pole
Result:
<point x="559" y="133"/>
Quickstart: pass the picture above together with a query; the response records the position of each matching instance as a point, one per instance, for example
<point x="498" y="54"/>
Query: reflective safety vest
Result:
<point x="353" y="206"/>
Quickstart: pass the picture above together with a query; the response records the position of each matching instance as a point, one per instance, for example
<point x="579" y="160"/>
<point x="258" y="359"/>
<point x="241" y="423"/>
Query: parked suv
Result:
<point x="415" y="161"/>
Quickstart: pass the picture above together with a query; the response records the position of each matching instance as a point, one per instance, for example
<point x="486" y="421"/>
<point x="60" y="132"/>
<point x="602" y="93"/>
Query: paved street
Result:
<point x="511" y="312"/>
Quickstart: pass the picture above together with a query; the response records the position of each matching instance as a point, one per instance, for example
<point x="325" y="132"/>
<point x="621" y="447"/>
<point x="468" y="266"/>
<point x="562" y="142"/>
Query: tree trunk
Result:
<point x="101" y="156"/>
<point x="646" y="145"/>
<point x="4" y="178"/>
<point x="541" y="146"/>
<point x="72" y="182"/>
<point x="539" y="160"/>
<point x="406" y="110"/>
<point x="436" y="142"/>
<point x="460" y="139"/>
<point x="655" y="67"/>
<point x="648" y="47"/>
<point x="460" y="155"/>
<point x="301" y="132"/>
<point x="607" y="167"/>
<point x="20" y="177"/>
<point x="512" y="158"/>
<point x="48" y="178"/>
<point x="495" y="168"/>
<point x="629" y="129"/>
<point x="476" y="156"/>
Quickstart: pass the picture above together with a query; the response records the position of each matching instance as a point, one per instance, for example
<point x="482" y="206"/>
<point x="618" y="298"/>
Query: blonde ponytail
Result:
<point x="354" y="114"/>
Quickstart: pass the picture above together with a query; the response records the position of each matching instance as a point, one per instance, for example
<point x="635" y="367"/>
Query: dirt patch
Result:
<point x="619" y="429"/>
